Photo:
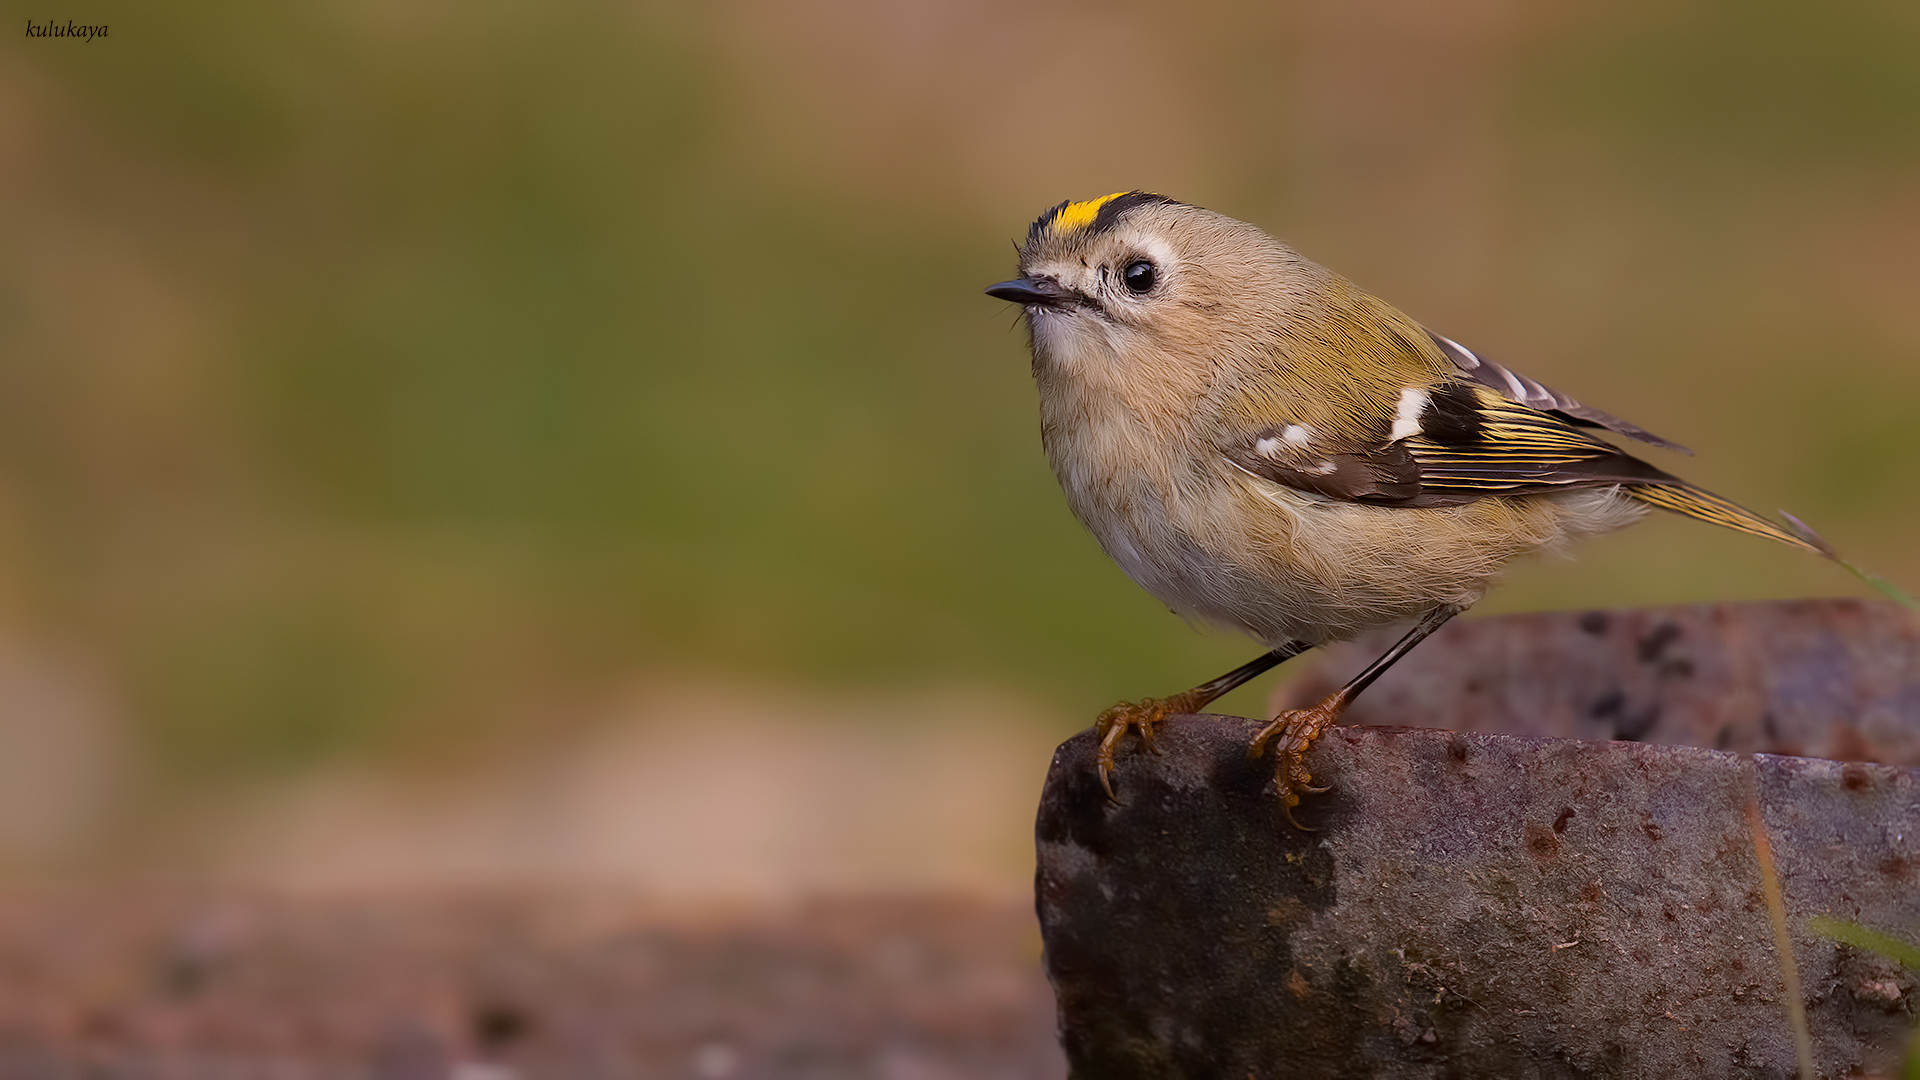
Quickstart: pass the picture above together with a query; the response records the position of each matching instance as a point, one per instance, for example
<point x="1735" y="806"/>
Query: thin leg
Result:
<point x="1143" y="716"/>
<point x="1297" y="728"/>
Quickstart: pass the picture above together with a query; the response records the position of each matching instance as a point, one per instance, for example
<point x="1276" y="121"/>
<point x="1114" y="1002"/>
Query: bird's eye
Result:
<point x="1139" y="276"/>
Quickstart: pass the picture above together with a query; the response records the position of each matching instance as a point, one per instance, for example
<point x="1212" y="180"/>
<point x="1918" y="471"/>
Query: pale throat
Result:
<point x="1095" y="372"/>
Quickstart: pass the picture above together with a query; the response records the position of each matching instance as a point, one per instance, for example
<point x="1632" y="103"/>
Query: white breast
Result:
<point x="1121" y="490"/>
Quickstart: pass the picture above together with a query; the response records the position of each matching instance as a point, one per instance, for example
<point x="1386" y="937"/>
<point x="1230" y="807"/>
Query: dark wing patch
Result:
<point x="1528" y="392"/>
<point x="1452" y="415"/>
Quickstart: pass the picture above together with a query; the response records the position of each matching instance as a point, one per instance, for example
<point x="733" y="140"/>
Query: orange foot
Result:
<point x="1296" y="729"/>
<point x="1142" y="716"/>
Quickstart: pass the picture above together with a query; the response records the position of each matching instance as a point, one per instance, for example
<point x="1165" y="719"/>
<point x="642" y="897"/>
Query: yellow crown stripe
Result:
<point x="1075" y="216"/>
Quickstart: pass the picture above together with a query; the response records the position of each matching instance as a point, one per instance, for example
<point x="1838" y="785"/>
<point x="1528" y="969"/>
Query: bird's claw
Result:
<point x="1292" y="732"/>
<point x="1143" y="716"/>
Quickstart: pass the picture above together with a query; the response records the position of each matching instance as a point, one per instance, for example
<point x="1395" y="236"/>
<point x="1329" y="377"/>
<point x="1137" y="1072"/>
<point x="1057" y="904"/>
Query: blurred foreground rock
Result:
<point x="141" y="986"/>
<point x="1485" y="905"/>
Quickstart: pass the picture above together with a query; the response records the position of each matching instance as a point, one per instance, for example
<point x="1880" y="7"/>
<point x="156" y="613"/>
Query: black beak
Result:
<point x="1034" y="291"/>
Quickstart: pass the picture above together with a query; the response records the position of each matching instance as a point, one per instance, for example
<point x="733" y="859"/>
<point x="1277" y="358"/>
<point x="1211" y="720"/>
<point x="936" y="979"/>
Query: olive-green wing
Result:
<point x="1458" y="441"/>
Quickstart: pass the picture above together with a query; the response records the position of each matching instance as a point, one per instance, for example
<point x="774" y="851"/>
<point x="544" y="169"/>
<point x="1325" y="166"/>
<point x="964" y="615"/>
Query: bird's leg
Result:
<point x="1296" y="729"/>
<point x="1145" y="715"/>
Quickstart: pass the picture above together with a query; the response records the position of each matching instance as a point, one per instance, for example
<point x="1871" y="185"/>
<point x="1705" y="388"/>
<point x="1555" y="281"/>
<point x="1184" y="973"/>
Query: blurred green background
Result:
<point x="383" y="380"/>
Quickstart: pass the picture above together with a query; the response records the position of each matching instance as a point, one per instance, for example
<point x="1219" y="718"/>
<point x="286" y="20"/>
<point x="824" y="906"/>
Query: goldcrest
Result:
<point x="1263" y="446"/>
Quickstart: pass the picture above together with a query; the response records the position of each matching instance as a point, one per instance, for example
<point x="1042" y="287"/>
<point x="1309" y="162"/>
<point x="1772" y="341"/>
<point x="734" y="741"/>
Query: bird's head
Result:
<point x="1136" y="278"/>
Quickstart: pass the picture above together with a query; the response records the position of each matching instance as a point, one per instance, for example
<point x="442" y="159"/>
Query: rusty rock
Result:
<point x="1488" y="905"/>
<point x="1836" y="679"/>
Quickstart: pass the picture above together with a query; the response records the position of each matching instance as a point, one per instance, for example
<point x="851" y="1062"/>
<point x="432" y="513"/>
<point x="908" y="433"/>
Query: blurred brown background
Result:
<point x="447" y="442"/>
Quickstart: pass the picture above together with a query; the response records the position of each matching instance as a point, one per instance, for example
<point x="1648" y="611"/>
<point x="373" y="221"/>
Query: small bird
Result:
<point x="1263" y="446"/>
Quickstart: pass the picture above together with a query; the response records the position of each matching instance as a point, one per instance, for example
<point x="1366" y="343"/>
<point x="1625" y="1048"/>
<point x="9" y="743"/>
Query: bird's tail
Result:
<point x="1690" y="501"/>
<point x="1693" y="502"/>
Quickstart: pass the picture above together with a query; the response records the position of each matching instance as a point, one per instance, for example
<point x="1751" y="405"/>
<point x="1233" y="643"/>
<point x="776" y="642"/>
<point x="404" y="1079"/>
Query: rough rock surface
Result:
<point x="1836" y="679"/>
<point x="1476" y="904"/>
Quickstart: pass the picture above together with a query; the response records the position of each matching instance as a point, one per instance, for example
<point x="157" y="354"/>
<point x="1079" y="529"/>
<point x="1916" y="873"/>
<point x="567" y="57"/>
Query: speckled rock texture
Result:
<point x="1488" y="905"/>
<point x="1835" y="679"/>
